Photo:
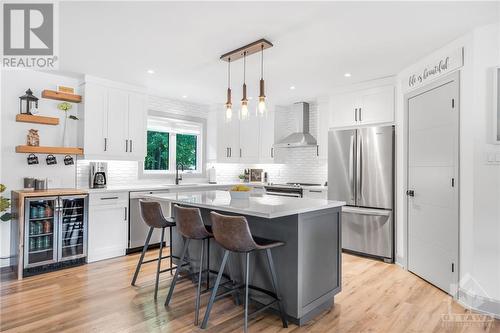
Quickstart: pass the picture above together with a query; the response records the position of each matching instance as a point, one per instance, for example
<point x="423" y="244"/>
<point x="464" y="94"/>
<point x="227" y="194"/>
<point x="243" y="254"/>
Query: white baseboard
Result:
<point x="479" y="303"/>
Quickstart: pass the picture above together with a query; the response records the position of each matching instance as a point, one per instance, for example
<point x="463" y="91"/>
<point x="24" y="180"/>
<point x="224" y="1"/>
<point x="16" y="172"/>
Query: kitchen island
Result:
<point x="308" y="265"/>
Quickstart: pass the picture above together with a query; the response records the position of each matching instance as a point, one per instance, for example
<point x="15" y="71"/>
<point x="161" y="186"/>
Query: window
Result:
<point x="172" y="142"/>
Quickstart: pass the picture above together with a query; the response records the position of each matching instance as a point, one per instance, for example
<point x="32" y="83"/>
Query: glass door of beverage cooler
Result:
<point x="72" y="227"/>
<point x="40" y="225"/>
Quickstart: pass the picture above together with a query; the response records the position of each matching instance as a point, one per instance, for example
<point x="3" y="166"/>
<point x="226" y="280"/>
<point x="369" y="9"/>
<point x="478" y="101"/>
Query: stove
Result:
<point x="288" y="189"/>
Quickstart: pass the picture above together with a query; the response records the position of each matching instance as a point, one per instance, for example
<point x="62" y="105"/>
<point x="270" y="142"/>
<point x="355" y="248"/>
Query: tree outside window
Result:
<point x="186" y="151"/>
<point x="157" y="151"/>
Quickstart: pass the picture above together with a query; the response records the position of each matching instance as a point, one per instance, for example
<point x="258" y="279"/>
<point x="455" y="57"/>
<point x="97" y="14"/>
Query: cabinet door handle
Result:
<point x="315" y="191"/>
<point x="130" y="145"/>
<point x="359" y="114"/>
<point x="109" y="198"/>
<point x="356" y="114"/>
<point x="126" y="215"/>
<point x="105" y="144"/>
<point x="317" y="150"/>
<point x="240" y="152"/>
<point x="230" y="152"/>
<point x="272" y="152"/>
<point x="126" y="145"/>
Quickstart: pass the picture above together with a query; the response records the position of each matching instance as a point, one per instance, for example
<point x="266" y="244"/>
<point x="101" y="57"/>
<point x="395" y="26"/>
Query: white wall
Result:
<point x="13" y="165"/>
<point x="479" y="181"/>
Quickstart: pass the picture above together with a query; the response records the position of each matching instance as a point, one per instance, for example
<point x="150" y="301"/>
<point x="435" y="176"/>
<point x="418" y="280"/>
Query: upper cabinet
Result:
<point x="370" y="106"/>
<point x="245" y="141"/>
<point x="113" y="122"/>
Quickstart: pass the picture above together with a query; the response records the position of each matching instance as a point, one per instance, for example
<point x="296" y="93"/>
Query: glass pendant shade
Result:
<point x="244" y="104"/>
<point x="229" y="104"/>
<point x="262" y="99"/>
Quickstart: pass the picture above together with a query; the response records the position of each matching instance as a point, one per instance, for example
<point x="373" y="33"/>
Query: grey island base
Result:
<point x="308" y="266"/>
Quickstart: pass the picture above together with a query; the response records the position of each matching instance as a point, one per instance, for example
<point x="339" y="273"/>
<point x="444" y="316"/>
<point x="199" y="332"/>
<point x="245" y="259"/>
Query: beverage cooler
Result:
<point x="55" y="232"/>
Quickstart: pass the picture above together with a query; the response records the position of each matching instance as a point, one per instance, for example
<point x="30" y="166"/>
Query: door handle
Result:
<point x="356" y="114"/>
<point x="130" y="145"/>
<point x="360" y="114"/>
<point x="410" y="193"/>
<point x="109" y="198"/>
<point x="105" y="144"/>
<point x="351" y="167"/>
<point x="126" y="146"/>
<point x="272" y="152"/>
<point x="126" y="217"/>
<point x="230" y="152"/>
<point x="240" y="152"/>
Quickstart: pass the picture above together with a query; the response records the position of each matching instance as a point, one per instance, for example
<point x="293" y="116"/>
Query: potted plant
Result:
<point x="65" y="106"/>
<point x="4" y="205"/>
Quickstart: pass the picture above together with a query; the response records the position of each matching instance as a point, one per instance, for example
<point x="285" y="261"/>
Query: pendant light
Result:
<point x="244" y="100"/>
<point x="229" y="104"/>
<point x="262" y="97"/>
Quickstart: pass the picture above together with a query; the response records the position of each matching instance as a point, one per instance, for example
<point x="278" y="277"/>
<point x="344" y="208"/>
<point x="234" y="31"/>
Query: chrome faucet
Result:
<point x="178" y="177"/>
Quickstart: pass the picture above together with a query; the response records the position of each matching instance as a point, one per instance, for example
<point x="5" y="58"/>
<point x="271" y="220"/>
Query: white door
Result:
<point x="376" y="105"/>
<point x="433" y="178"/>
<point x="137" y="113"/>
<point x="108" y="231"/>
<point x="267" y="137"/>
<point x="249" y="135"/>
<point x="343" y="110"/>
<point x="95" y="116"/>
<point x="117" y="122"/>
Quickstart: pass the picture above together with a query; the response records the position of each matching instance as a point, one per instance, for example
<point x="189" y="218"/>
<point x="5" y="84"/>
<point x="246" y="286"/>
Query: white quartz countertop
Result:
<point x="261" y="205"/>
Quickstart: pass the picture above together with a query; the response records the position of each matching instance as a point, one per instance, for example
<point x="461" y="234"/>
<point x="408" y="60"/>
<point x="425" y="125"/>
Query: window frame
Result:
<point x="201" y="140"/>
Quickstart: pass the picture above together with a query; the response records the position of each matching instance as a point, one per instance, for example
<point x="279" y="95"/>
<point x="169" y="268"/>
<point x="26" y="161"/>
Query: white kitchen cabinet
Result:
<point x="113" y="122"/>
<point x="364" y="107"/>
<point x="228" y="139"/>
<point x="137" y="125"/>
<point x="108" y="225"/>
<point x="343" y="110"/>
<point x="245" y="141"/>
<point x="266" y="124"/>
<point x="249" y="133"/>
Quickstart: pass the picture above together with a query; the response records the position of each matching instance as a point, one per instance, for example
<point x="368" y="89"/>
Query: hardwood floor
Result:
<point x="376" y="297"/>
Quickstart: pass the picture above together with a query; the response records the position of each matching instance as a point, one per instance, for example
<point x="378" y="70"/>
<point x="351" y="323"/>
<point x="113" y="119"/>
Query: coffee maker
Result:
<point x="98" y="171"/>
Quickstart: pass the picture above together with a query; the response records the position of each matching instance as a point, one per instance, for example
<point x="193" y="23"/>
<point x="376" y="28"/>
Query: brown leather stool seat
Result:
<point x="233" y="234"/>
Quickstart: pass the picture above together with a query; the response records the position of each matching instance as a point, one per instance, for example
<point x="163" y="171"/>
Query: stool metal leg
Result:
<point x="170" y="249"/>
<point x="198" y="291"/>
<point x="176" y="275"/>
<point x="247" y="269"/>
<point x="276" y="288"/>
<point x="159" y="262"/>
<point x="214" y="291"/>
<point x="208" y="263"/>
<point x="144" y="249"/>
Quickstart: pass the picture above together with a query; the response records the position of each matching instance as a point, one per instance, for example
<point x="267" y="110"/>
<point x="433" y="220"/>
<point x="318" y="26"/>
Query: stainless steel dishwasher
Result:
<point x="138" y="229"/>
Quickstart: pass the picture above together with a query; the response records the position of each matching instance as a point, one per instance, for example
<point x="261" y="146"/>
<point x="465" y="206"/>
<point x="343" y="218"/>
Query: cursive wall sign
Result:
<point x="442" y="66"/>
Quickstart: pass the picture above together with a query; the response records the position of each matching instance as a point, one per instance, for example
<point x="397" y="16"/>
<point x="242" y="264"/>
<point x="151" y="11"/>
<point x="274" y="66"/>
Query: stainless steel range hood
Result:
<point x="301" y="137"/>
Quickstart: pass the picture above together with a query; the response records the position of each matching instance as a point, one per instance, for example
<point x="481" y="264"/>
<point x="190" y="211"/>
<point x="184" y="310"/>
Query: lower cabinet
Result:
<point x="316" y="193"/>
<point x="108" y="225"/>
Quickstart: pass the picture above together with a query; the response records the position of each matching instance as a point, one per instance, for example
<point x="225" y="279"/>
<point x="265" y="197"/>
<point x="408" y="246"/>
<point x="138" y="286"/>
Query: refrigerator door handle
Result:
<point x="359" y="169"/>
<point x="351" y="167"/>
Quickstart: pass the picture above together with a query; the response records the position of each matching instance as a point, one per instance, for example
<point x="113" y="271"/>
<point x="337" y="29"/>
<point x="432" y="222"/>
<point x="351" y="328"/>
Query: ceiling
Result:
<point x="314" y="43"/>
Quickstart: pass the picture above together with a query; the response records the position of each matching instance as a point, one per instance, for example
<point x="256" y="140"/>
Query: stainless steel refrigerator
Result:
<point x="361" y="173"/>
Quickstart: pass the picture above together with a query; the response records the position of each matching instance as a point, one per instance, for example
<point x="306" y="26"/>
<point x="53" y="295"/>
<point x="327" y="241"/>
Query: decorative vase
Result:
<point x="65" y="138"/>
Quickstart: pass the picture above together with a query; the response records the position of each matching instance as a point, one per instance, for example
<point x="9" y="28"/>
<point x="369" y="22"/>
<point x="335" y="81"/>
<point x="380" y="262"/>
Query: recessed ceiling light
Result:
<point x="292" y="87"/>
<point x="184" y="96"/>
<point x="150" y="71"/>
<point x="347" y="74"/>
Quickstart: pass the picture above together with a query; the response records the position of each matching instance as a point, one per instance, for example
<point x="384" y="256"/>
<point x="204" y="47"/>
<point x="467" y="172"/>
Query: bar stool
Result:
<point x="153" y="216"/>
<point x="233" y="234"/>
<point x="190" y="226"/>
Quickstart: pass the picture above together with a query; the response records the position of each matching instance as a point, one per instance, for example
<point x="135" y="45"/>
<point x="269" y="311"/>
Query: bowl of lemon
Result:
<point x="240" y="192"/>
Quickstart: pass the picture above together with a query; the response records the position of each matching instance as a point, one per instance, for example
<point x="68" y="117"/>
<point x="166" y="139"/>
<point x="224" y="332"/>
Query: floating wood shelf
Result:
<point x="60" y="96"/>
<point x="49" y="150"/>
<point x="27" y="118"/>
